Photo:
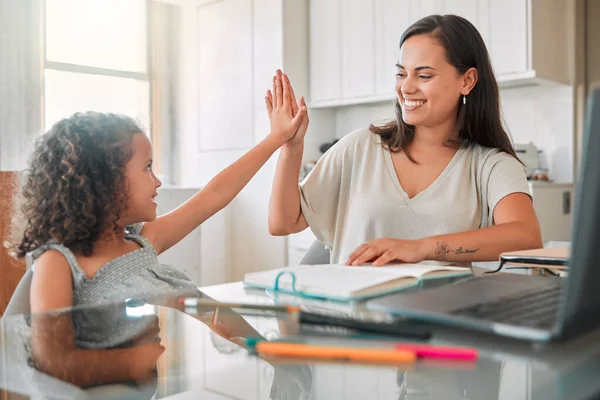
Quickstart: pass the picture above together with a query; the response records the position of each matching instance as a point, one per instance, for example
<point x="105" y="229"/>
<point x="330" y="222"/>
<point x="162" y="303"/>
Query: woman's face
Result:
<point x="429" y="88"/>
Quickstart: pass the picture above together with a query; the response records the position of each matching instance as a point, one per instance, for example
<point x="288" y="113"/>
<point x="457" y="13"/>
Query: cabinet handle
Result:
<point x="566" y="203"/>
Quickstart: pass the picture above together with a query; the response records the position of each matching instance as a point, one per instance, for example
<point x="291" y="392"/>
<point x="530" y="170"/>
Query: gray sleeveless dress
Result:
<point x="100" y="319"/>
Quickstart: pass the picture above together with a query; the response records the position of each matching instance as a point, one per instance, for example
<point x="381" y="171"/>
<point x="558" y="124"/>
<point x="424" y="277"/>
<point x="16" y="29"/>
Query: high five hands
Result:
<point x="289" y="118"/>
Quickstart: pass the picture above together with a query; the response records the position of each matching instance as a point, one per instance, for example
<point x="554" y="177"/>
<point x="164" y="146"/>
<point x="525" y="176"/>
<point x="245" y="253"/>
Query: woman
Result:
<point x="440" y="182"/>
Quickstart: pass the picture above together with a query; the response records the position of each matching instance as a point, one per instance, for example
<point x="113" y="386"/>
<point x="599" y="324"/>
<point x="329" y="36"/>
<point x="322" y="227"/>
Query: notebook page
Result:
<point x="340" y="280"/>
<point x="419" y="270"/>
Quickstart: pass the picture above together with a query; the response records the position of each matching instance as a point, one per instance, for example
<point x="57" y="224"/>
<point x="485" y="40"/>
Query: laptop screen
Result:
<point x="582" y="306"/>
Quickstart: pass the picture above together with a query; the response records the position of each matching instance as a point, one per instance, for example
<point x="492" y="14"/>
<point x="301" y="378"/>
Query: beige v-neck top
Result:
<point x="353" y="194"/>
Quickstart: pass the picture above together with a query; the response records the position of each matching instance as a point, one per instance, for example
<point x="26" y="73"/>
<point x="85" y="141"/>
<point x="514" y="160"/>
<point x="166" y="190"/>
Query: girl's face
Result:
<point x="429" y="88"/>
<point x="141" y="182"/>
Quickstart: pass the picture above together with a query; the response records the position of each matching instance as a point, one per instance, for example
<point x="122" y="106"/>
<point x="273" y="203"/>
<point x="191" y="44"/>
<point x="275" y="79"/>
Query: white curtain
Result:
<point x="21" y="80"/>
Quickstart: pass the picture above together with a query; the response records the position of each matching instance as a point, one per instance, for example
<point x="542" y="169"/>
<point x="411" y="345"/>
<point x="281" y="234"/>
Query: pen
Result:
<point x="395" y="328"/>
<point x="440" y="352"/>
<point x="296" y="350"/>
<point x="192" y="302"/>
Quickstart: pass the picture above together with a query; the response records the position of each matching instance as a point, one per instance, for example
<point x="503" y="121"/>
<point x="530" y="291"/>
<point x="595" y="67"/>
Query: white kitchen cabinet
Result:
<point x="508" y="36"/>
<point x="526" y="40"/>
<point x="224" y="61"/>
<point x="349" y="57"/>
<point x="185" y="255"/>
<point x="468" y="9"/>
<point x="325" y="50"/>
<point x="423" y="8"/>
<point x="392" y="17"/>
<point x="553" y="204"/>
<point x="201" y="254"/>
<point x="483" y="21"/>
<point x="358" y="50"/>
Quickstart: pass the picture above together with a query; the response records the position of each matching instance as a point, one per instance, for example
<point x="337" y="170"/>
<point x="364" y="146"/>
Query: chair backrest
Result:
<point x="11" y="270"/>
<point x="19" y="301"/>
<point x="317" y="253"/>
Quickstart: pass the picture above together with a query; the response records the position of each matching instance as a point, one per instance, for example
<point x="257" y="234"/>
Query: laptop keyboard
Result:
<point x="535" y="309"/>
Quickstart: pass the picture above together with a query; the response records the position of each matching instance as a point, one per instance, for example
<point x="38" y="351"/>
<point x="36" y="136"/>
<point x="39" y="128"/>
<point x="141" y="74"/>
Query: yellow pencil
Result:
<point x="298" y="350"/>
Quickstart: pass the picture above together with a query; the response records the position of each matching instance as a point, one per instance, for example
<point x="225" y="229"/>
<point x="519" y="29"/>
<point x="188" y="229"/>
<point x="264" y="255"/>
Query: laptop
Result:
<point x="527" y="307"/>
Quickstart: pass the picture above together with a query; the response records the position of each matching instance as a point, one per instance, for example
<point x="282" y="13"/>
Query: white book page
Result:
<point x="341" y="280"/>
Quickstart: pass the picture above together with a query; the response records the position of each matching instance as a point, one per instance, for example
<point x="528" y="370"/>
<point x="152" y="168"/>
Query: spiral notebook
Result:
<point x="344" y="283"/>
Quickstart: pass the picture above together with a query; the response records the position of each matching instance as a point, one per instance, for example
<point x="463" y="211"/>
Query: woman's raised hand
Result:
<point x="289" y="119"/>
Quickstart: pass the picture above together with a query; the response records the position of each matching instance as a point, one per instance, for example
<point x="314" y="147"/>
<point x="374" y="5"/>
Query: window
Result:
<point x="96" y="59"/>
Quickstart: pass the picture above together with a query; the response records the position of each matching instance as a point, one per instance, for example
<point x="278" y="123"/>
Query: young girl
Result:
<point x="89" y="188"/>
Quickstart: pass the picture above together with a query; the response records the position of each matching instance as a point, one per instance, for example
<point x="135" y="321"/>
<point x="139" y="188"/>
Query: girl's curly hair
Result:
<point x="75" y="185"/>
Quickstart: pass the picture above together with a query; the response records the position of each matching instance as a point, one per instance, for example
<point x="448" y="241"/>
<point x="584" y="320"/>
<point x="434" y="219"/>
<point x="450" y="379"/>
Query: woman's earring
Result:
<point x="464" y="99"/>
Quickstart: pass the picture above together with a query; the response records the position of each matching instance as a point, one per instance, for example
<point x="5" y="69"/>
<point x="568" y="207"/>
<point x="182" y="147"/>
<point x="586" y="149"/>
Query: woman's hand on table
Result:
<point x="382" y="251"/>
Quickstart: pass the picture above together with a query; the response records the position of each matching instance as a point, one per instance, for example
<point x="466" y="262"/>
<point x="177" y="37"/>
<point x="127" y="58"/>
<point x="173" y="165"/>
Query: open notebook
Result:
<point x="345" y="283"/>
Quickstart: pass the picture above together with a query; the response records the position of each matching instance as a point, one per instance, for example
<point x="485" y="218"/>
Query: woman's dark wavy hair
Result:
<point x="479" y="119"/>
<point x="75" y="184"/>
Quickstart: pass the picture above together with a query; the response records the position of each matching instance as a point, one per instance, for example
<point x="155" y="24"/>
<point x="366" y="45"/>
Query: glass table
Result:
<point x="206" y="358"/>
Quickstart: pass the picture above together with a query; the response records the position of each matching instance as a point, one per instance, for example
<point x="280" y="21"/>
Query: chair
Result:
<point x="317" y="253"/>
<point x="11" y="270"/>
<point x="19" y="302"/>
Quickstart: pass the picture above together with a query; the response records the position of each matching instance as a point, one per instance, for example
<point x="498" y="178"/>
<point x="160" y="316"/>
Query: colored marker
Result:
<point x="334" y="353"/>
<point x="440" y="352"/>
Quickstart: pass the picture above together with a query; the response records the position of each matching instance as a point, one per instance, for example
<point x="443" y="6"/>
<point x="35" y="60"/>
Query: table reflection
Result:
<point x="206" y="357"/>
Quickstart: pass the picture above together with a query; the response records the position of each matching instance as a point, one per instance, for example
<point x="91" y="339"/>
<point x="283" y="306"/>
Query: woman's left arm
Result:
<point x="516" y="227"/>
